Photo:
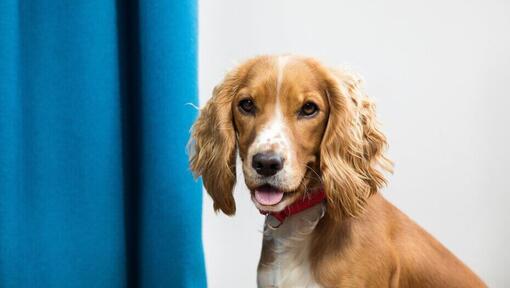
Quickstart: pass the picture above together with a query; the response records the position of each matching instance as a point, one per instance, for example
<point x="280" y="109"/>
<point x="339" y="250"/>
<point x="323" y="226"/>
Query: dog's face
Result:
<point x="280" y="114"/>
<point x="296" y="125"/>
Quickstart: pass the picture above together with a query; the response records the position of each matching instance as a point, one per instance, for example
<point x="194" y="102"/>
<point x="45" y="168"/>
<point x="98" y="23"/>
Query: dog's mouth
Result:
<point x="268" y="195"/>
<point x="273" y="198"/>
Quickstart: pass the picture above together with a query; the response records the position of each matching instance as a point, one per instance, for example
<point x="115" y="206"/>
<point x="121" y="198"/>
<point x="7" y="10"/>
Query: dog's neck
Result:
<point x="314" y="197"/>
<point x="301" y="223"/>
<point x="284" y="261"/>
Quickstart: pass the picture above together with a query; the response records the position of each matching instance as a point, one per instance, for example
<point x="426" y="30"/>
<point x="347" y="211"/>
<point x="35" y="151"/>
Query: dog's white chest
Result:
<point x="290" y="248"/>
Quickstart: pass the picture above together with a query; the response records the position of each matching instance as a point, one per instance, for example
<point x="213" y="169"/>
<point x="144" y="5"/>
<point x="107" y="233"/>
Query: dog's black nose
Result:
<point x="267" y="164"/>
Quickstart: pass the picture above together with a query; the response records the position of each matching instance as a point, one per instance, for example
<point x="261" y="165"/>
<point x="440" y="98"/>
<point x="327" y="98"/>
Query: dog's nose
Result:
<point x="267" y="164"/>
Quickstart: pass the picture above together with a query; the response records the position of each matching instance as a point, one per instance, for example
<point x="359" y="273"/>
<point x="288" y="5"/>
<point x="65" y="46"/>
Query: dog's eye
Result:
<point x="247" y="106"/>
<point x="309" y="109"/>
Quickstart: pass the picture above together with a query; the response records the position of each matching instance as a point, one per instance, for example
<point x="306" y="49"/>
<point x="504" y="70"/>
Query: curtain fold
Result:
<point x="95" y="189"/>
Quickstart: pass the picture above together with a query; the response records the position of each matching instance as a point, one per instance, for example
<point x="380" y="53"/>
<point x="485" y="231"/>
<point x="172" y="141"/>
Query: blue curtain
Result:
<point x="95" y="189"/>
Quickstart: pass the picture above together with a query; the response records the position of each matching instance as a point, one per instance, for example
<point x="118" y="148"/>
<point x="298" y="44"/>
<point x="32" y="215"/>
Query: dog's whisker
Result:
<point x="311" y="169"/>
<point x="312" y="177"/>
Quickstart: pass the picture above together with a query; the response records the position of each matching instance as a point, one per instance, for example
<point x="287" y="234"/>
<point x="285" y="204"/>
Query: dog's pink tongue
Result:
<point x="268" y="196"/>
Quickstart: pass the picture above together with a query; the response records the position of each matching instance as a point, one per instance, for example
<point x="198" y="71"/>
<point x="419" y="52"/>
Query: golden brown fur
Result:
<point x="362" y="241"/>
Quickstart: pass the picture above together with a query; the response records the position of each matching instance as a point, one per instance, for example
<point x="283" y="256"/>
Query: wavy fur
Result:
<point x="352" y="150"/>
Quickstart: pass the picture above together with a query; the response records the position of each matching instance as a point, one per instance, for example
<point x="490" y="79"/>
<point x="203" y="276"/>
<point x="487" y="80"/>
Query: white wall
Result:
<point x="440" y="73"/>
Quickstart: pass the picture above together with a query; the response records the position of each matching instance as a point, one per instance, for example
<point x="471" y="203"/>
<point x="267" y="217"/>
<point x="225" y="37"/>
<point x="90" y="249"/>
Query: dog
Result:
<point x="313" y="158"/>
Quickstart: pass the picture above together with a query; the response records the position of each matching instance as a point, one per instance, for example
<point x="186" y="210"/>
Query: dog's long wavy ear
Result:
<point x="213" y="146"/>
<point x="352" y="149"/>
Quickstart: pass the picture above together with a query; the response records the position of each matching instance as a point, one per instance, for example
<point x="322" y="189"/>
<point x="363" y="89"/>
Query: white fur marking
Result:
<point x="274" y="137"/>
<point x="291" y="267"/>
<point x="282" y="61"/>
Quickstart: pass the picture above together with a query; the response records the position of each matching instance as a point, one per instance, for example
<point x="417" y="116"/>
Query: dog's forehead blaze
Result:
<point x="283" y="80"/>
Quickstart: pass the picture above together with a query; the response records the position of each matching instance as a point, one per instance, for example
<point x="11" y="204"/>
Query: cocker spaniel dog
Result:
<point x="313" y="158"/>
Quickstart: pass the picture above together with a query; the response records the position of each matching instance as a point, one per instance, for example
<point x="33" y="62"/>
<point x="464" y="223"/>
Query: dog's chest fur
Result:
<point x="286" y="250"/>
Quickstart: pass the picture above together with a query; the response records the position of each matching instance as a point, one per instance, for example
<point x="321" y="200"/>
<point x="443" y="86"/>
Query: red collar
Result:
<point x="304" y="203"/>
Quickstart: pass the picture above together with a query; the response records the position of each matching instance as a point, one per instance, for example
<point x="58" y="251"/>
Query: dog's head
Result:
<point x="296" y="125"/>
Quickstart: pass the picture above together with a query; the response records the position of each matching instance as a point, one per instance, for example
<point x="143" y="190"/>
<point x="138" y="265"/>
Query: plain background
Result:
<point x="439" y="72"/>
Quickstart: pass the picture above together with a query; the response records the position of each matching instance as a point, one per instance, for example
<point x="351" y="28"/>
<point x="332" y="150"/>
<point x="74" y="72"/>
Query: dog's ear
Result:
<point x="352" y="149"/>
<point x="213" y="146"/>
